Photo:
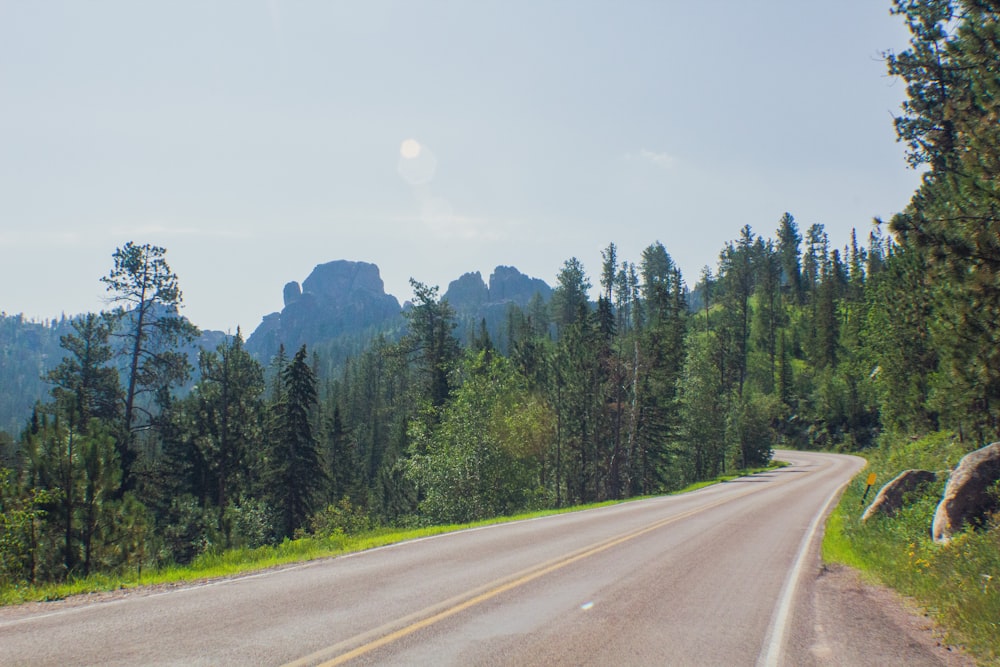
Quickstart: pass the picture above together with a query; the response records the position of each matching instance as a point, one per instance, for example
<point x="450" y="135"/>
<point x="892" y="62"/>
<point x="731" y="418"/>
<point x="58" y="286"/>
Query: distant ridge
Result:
<point x="337" y="311"/>
<point x="343" y="304"/>
<point x="339" y="299"/>
<point x="475" y="302"/>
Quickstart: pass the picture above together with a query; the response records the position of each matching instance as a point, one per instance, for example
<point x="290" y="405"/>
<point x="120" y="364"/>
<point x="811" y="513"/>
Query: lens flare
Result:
<point x="410" y="149"/>
<point x="416" y="164"/>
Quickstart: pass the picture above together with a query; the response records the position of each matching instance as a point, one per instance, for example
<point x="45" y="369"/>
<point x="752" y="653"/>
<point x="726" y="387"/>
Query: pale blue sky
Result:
<point x="255" y="140"/>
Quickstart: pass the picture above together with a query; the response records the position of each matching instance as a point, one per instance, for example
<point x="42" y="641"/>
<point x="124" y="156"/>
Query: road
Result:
<point x="726" y="575"/>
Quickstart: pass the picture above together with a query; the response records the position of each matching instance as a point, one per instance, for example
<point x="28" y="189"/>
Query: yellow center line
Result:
<point x="407" y="625"/>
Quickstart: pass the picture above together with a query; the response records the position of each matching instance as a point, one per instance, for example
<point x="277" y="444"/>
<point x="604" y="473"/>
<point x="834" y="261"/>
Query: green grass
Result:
<point x="242" y="561"/>
<point x="958" y="583"/>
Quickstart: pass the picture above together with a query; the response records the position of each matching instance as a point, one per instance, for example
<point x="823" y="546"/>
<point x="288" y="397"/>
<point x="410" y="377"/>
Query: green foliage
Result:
<point x="228" y="423"/>
<point x="27" y="351"/>
<point x="80" y="470"/>
<point x="570" y="296"/>
<point x="751" y="428"/>
<point x="702" y="403"/>
<point x="293" y="470"/>
<point x="185" y="531"/>
<point x="431" y="343"/>
<point x="957" y="581"/>
<point x="789" y="341"/>
<point x="21" y="521"/>
<point x="483" y="458"/>
<point x="252" y="523"/>
<point x="343" y="518"/>
<point x="151" y="331"/>
<point x="952" y="224"/>
<point x="85" y="386"/>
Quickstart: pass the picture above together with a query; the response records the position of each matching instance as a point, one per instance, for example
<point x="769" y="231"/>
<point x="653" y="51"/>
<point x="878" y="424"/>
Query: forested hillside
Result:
<point x="26" y="350"/>
<point x="935" y="324"/>
<point x="635" y="394"/>
<point x="796" y="340"/>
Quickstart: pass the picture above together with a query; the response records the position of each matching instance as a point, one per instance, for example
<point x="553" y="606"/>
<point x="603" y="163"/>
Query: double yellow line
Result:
<point x="355" y="647"/>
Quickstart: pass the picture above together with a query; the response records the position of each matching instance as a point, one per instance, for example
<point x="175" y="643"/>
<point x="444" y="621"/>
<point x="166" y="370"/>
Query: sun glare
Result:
<point x="409" y="149"/>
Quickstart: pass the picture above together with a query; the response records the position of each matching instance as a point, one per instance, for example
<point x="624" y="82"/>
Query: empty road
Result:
<point x="727" y="575"/>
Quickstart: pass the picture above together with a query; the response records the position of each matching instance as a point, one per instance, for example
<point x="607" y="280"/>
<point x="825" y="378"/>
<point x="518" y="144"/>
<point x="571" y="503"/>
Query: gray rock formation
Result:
<point x="969" y="496"/>
<point x="468" y="294"/>
<point x="291" y="293"/>
<point x="475" y="303"/>
<point x="509" y="284"/>
<point x="891" y="497"/>
<point x="339" y="299"/>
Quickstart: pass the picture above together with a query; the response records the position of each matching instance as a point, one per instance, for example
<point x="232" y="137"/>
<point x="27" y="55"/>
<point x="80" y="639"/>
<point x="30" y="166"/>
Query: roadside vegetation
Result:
<point x="958" y="584"/>
<point x="790" y="342"/>
<point x="340" y="535"/>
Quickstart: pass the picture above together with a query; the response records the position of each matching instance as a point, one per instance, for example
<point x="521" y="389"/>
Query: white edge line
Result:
<point x="773" y="645"/>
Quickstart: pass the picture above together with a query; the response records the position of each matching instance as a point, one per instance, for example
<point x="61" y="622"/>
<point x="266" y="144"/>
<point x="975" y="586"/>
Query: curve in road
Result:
<point x="717" y="576"/>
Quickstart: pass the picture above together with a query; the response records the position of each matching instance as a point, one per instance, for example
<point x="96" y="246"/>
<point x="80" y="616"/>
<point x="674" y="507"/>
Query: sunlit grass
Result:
<point x="959" y="584"/>
<point x="234" y="562"/>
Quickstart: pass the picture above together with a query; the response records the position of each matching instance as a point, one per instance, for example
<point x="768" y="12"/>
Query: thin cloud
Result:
<point x="453" y="227"/>
<point x="169" y="230"/>
<point x="18" y="238"/>
<point x="663" y="160"/>
<point x="462" y="227"/>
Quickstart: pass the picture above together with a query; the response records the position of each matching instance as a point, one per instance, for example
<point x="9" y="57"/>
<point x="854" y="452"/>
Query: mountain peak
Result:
<point x="337" y="299"/>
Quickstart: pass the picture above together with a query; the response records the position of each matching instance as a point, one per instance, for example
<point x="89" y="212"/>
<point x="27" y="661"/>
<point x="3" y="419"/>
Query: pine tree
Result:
<point x="570" y="298"/>
<point x="229" y="413"/>
<point x="295" y="476"/>
<point x="430" y="343"/>
<point x="151" y="330"/>
<point x="949" y="122"/>
<point x="85" y="385"/>
<point x="789" y="244"/>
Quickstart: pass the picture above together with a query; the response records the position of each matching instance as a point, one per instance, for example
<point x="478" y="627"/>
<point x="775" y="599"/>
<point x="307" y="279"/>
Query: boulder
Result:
<point x="969" y="496"/>
<point x="890" y="497"/>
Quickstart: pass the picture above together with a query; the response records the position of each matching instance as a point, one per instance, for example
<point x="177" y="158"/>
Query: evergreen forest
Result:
<point x="792" y="340"/>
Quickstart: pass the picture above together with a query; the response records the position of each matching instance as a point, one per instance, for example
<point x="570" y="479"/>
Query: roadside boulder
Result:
<point x="891" y="497"/>
<point x="969" y="496"/>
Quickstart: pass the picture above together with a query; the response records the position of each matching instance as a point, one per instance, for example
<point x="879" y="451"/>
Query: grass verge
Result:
<point x="959" y="583"/>
<point x="235" y="562"/>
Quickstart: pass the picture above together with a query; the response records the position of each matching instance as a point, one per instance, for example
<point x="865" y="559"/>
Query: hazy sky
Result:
<point x="255" y="140"/>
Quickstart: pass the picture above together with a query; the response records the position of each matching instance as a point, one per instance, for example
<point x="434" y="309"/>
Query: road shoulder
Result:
<point x="845" y="606"/>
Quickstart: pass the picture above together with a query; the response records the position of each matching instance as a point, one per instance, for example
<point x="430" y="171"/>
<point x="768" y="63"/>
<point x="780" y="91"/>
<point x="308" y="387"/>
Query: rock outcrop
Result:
<point x="339" y="299"/>
<point x="508" y="284"/>
<point x="468" y="293"/>
<point x="474" y="302"/>
<point x="291" y="293"/>
<point x="891" y="497"/>
<point x="342" y="304"/>
<point x="970" y="494"/>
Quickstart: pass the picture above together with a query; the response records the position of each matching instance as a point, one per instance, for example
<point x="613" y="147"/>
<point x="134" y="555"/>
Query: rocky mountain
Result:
<point x="470" y="294"/>
<point x="336" y="311"/>
<point x="475" y="302"/>
<point x="339" y="306"/>
<point x="342" y="305"/>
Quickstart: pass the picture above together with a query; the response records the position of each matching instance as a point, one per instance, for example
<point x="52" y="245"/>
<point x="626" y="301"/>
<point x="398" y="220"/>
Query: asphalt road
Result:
<point x="728" y="575"/>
